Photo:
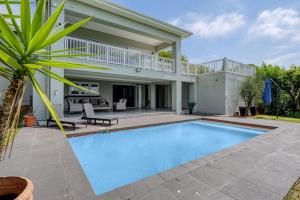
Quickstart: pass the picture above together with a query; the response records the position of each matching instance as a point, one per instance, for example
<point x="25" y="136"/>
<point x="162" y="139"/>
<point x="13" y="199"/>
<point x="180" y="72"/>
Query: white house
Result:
<point x="128" y="43"/>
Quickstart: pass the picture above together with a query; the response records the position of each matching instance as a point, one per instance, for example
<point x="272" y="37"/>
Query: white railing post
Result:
<point x="87" y="49"/>
<point x="124" y="57"/>
<point x="106" y="53"/>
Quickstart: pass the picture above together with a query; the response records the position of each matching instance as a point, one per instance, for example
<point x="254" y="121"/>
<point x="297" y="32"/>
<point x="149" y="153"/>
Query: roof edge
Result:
<point x="136" y="16"/>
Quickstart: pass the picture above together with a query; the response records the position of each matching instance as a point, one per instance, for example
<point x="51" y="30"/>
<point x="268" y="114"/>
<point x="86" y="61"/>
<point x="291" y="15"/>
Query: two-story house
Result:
<point x="128" y="43"/>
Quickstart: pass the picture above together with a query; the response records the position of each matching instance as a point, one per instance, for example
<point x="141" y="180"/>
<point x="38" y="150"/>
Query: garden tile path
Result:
<point x="262" y="168"/>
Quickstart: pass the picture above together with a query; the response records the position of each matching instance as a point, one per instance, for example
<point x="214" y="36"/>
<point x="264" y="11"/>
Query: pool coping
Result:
<point x="263" y="127"/>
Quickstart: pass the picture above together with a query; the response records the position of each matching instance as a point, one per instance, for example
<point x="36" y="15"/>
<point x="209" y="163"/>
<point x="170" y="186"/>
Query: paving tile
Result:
<point x="173" y="173"/>
<point x="213" y="176"/>
<point x="267" y="177"/>
<point x="242" y="190"/>
<point x="189" y="188"/>
<point x="46" y="187"/>
<point x="113" y="195"/>
<point x="287" y="160"/>
<point x="153" y="181"/>
<point x="44" y="171"/>
<point x="292" y="149"/>
<point x="160" y="194"/>
<point x="136" y="189"/>
<point x="232" y="166"/>
<point x="220" y="196"/>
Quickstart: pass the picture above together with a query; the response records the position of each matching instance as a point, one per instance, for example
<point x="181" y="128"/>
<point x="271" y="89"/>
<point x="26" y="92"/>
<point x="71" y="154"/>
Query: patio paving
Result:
<point x="262" y="168"/>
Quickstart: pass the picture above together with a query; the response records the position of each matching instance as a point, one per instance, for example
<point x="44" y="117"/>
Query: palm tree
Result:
<point x="24" y="53"/>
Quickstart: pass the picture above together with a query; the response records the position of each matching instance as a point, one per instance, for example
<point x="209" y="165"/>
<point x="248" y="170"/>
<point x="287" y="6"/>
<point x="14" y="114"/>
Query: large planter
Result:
<point x="29" y="120"/>
<point x="253" y="111"/>
<point x="261" y="110"/>
<point x="243" y="111"/>
<point x="18" y="188"/>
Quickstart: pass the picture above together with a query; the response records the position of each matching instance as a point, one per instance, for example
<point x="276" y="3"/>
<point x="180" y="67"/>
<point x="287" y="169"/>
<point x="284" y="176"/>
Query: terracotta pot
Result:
<point x="14" y="187"/>
<point x="29" y="120"/>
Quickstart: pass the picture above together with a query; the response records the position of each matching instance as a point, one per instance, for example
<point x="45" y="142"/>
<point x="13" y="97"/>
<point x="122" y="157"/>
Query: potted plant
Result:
<point x="13" y="187"/>
<point x="191" y="105"/>
<point x="30" y="119"/>
<point x="248" y="93"/>
<point x="24" y="53"/>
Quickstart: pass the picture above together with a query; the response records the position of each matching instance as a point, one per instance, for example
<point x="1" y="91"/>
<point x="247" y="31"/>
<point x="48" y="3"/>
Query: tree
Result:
<point x="169" y="54"/>
<point x="249" y="90"/>
<point x="291" y="78"/>
<point x="23" y="54"/>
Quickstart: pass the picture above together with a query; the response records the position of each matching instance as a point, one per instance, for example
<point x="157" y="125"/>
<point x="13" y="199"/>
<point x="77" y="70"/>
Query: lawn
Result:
<point x="273" y="117"/>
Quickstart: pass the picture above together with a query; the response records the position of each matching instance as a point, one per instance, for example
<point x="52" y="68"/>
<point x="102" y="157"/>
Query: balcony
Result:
<point x="118" y="56"/>
<point x="222" y="65"/>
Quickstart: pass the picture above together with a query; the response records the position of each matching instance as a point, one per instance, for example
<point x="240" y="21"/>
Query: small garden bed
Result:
<point x="294" y="193"/>
<point x="280" y="118"/>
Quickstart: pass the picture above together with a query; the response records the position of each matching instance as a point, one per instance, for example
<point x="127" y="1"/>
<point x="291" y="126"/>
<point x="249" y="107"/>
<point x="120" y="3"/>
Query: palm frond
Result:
<point x="46" y="100"/>
<point x="57" y="36"/>
<point x="67" y="65"/>
<point x="44" y="51"/>
<point x="12" y="17"/>
<point x="63" y="80"/>
<point x="44" y="32"/>
<point x="10" y="2"/>
<point x="9" y="60"/>
<point x="67" y="55"/>
<point x="38" y="17"/>
<point x="10" y="36"/>
<point x="25" y="21"/>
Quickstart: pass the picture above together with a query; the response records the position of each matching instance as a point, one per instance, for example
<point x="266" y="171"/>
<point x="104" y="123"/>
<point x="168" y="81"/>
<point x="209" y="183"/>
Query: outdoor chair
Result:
<point x="69" y="121"/>
<point x="90" y="116"/>
<point x="121" y="105"/>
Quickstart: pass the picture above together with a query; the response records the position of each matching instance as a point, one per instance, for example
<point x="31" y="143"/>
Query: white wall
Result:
<point x="211" y="93"/>
<point x="233" y="99"/>
<point x="219" y="93"/>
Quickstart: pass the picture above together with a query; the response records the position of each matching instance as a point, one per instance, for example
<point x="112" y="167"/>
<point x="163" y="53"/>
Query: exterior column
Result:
<point x="173" y="93"/>
<point x="153" y="96"/>
<point x="139" y="94"/>
<point x="56" y="88"/>
<point x="176" y="49"/>
<point x="53" y="89"/>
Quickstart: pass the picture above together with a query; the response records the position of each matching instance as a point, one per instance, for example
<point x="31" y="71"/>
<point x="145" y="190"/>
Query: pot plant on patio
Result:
<point x="23" y="53"/>
<point x="191" y="106"/>
<point x="248" y="92"/>
<point x="30" y="119"/>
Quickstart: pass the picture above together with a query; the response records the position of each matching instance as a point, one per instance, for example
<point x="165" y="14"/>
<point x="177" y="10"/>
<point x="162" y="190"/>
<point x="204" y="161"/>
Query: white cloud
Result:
<point x="210" y="26"/>
<point x="278" y="24"/>
<point x="175" y="21"/>
<point x="286" y="60"/>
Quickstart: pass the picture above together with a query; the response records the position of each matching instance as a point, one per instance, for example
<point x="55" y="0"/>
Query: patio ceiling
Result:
<point x="76" y="74"/>
<point x="109" y="29"/>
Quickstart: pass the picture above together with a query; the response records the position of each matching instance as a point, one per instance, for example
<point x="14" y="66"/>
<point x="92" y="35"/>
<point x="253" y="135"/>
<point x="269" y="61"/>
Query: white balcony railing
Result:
<point x="222" y="65"/>
<point x="119" y="56"/>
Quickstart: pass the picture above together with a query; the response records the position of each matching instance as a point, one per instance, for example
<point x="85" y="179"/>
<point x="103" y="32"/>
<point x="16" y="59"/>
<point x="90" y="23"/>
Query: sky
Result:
<point x="249" y="31"/>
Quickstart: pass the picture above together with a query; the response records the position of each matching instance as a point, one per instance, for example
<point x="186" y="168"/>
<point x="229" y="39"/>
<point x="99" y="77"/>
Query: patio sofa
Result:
<point x="100" y="104"/>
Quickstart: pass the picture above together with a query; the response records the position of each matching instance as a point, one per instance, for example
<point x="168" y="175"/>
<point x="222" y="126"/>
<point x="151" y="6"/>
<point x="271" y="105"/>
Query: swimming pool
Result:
<point x="113" y="160"/>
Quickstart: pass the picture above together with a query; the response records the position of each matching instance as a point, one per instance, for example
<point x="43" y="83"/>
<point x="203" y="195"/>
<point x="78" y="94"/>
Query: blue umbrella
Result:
<point x="267" y="98"/>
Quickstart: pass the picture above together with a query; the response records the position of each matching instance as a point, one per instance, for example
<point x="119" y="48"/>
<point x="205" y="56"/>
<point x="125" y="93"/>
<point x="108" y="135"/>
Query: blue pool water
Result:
<point x="112" y="160"/>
